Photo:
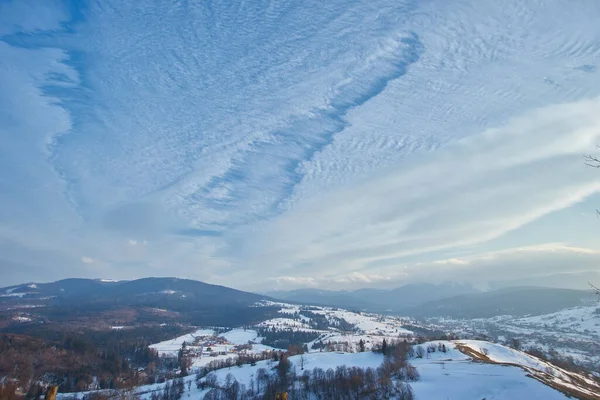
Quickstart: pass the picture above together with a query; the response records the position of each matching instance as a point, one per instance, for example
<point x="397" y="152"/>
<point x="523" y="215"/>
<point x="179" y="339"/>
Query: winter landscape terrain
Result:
<point x="341" y="340"/>
<point x="299" y="199"/>
<point x="220" y="343"/>
<point x="574" y="331"/>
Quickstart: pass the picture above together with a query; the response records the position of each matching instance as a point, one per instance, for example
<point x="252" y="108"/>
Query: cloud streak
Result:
<point x="471" y="192"/>
<point x="324" y="143"/>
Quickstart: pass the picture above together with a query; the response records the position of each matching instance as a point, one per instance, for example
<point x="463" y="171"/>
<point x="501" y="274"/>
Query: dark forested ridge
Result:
<point x="82" y="332"/>
<point x="76" y="359"/>
<point x="141" y="301"/>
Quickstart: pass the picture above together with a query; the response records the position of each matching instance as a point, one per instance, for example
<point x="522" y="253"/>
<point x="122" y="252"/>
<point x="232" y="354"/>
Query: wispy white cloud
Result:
<point x="318" y="144"/>
<point x="473" y="191"/>
<point x="31" y="16"/>
<point x="542" y="265"/>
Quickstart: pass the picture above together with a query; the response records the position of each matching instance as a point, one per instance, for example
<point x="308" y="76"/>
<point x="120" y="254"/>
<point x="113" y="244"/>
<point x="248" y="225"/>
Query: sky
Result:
<point x="286" y="144"/>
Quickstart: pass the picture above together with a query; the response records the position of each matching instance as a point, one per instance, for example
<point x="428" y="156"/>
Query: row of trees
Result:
<point x="82" y="360"/>
<point x="390" y="380"/>
<point x="283" y="338"/>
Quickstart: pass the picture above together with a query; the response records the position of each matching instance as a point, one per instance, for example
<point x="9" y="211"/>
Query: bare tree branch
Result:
<point x="592" y="161"/>
<point x="595" y="289"/>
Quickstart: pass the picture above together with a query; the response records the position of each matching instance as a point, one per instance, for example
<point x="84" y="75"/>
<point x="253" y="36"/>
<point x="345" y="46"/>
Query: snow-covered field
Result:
<point x="171" y="347"/>
<point x="536" y="367"/>
<point x="372" y="329"/>
<point x="469" y="369"/>
<point x="454" y="376"/>
<point x="443" y="376"/>
<point x="374" y="324"/>
<point x="583" y="320"/>
<point x="571" y="332"/>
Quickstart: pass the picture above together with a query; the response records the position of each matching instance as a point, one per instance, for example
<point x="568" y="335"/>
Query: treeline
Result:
<point x="282" y="339"/>
<point x="320" y="321"/>
<point x="80" y="361"/>
<point x="553" y="357"/>
<point x="390" y="380"/>
<point x="241" y="359"/>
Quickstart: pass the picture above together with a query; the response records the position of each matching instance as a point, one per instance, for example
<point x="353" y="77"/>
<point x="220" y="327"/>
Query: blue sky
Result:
<point x="289" y="144"/>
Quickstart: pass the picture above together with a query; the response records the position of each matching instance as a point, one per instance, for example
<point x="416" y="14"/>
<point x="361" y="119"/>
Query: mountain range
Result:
<point x="137" y="301"/>
<point x="102" y="303"/>
<point x="447" y="299"/>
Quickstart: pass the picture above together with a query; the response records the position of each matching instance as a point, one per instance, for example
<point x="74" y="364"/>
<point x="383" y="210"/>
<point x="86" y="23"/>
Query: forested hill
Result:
<point x="141" y="300"/>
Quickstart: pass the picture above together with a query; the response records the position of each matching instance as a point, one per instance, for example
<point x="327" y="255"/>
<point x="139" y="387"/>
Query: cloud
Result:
<point x="475" y="190"/>
<point x="319" y="142"/>
<point x="541" y="265"/>
<point x="354" y="279"/>
<point x="134" y="242"/>
<point x="87" y="260"/>
<point x="451" y="261"/>
<point x="31" y="16"/>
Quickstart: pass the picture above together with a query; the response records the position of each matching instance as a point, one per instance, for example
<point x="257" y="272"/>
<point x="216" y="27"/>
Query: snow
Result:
<point x="444" y="376"/>
<point x="370" y="341"/>
<point x="11" y="294"/>
<point x="240" y="336"/>
<point x="244" y="373"/>
<point x="457" y="380"/>
<point x="217" y="346"/>
<point x="503" y="354"/>
<point x="573" y="332"/>
<point x="312" y="360"/>
<point x="503" y="374"/>
<point x="584" y="319"/>
<point x="333" y="359"/>
<point x="286" y="323"/>
<point x="533" y="365"/>
<point x="171" y="347"/>
<point x="370" y="324"/>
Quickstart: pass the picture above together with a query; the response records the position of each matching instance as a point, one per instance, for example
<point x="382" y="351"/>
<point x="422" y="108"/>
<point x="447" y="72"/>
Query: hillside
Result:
<point x="136" y="333"/>
<point x="375" y="300"/>
<point x="572" y="332"/>
<point x="518" y="301"/>
<point x="444" y="300"/>
<point x="148" y="300"/>
<point x="457" y="373"/>
<point x="340" y="344"/>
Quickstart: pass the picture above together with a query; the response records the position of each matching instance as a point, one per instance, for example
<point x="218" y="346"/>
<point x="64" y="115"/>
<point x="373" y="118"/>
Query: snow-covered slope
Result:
<point x="450" y="375"/>
<point x="466" y="369"/>
<point x="571" y="332"/>
<point x="172" y="346"/>
<point x="585" y="320"/>
<point x="566" y="381"/>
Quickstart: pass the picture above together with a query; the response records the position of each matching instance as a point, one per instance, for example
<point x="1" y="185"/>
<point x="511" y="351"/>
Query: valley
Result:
<point x="238" y="358"/>
<point x="163" y="339"/>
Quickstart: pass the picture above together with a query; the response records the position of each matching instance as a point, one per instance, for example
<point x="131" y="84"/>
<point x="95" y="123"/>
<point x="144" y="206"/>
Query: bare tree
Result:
<point x="592" y="161"/>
